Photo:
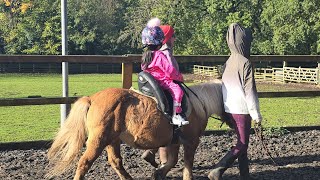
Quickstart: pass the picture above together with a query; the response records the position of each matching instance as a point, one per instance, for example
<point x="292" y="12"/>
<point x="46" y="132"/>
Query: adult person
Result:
<point x="240" y="99"/>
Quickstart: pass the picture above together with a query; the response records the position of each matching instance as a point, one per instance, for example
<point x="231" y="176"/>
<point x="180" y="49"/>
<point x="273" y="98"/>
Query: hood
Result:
<point x="239" y="40"/>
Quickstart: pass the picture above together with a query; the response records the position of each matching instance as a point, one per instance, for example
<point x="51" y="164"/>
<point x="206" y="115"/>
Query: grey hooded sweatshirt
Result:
<point x="239" y="89"/>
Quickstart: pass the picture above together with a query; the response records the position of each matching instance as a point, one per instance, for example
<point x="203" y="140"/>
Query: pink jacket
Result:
<point x="168" y="52"/>
<point x="161" y="69"/>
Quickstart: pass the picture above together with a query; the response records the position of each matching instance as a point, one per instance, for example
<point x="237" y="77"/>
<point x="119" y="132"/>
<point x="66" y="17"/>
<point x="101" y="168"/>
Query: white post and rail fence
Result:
<point x="271" y="74"/>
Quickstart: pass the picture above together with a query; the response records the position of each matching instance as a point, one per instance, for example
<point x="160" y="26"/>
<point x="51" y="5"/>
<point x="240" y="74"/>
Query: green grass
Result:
<point x="24" y="85"/>
<point x="28" y="123"/>
<point x="284" y="112"/>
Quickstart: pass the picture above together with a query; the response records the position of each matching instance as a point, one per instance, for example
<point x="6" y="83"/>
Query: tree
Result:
<point x="114" y="26"/>
<point x="186" y="17"/>
<point x="289" y="27"/>
<point x="135" y="17"/>
<point x="90" y="26"/>
<point x="34" y="30"/>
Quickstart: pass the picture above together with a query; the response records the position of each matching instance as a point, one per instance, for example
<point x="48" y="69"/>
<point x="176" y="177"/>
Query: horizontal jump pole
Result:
<point x="70" y="100"/>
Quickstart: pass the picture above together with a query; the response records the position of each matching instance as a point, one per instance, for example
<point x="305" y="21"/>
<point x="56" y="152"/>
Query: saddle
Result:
<point x="149" y="86"/>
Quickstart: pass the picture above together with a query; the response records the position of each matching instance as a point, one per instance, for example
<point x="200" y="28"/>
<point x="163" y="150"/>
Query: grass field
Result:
<point x="28" y="123"/>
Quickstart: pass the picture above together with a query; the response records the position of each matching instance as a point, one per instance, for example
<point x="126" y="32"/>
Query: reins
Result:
<point x="189" y="89"/>
<point x="204" y="108"/>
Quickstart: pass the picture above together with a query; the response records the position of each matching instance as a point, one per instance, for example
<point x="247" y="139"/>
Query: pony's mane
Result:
<point x="209" y="98"/>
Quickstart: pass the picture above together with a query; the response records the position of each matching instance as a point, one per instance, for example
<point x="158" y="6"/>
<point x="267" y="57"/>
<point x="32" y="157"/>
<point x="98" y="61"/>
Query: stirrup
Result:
<point x="179" y="120"/>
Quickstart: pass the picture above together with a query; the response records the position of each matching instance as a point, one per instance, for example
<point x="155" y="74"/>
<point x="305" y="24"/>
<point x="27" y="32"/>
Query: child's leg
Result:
<point x="177" y="94"/>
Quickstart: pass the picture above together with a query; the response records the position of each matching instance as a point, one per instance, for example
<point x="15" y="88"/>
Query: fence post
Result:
<point x="318" y="74"/>
<point x="127" y="70"/>
<point x="283" y="71"/>
<point x="299" y="74"/>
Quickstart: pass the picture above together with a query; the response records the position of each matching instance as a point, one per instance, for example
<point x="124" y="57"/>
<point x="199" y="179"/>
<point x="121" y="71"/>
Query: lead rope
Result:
<point x="257" y="128"/>
<point x="258" y="132"/>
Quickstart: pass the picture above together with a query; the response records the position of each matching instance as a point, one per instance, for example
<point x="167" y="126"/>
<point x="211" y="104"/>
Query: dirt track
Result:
<point x="296" y="153"/>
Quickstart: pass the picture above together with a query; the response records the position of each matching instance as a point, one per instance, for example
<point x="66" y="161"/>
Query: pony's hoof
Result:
<point x="215" y="175"/>
<point x="157" y="175"/>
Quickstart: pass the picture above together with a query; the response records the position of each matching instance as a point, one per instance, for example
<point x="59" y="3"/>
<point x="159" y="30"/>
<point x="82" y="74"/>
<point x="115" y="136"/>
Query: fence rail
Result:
<point x="211" y="71"/>
<point x="70" y="100"/>
<point x="306" y="75"/>
<point x="285" y="74"/>
<point x="127" y="70"/>
<point x="37" y="101"/>
<point x="134" y="58"/>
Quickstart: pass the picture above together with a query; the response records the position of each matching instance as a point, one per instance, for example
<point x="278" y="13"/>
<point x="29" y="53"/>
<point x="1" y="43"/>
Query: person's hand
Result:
<point x="181" y="79"/>
<point x="258" y="120"/>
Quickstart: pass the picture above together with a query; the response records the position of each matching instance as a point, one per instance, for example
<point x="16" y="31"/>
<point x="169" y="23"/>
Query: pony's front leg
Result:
<point x="171" y="152"/>
<point x="115" y="160"/>
<point x="189" y="151"/>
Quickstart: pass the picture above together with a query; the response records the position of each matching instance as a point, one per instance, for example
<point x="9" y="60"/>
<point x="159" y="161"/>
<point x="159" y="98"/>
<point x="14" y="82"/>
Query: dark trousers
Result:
<point x="242" y="126"/>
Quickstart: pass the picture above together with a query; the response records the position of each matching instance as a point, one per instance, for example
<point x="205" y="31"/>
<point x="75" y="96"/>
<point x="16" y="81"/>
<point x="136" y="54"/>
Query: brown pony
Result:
<point x="114" y="115"/>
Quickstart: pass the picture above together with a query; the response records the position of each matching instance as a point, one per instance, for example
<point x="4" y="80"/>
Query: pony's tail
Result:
<point x="69" y="140"/>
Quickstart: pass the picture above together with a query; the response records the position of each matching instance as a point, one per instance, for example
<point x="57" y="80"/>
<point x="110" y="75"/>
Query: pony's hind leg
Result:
<point x="115" y="160"/>
<point x="94" y="148"/>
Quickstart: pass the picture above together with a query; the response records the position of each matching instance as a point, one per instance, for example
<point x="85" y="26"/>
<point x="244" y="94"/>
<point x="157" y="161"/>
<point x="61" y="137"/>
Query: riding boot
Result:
<point x="150" y="157"/>
<point x="177" y="118"/>
<point x="222" y="166"/>
<point x="244" y="167"/>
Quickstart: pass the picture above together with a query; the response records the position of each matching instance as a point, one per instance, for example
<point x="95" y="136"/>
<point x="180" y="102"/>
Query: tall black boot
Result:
<point x="244" y="167"/>
<point x="222" y="166"/>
